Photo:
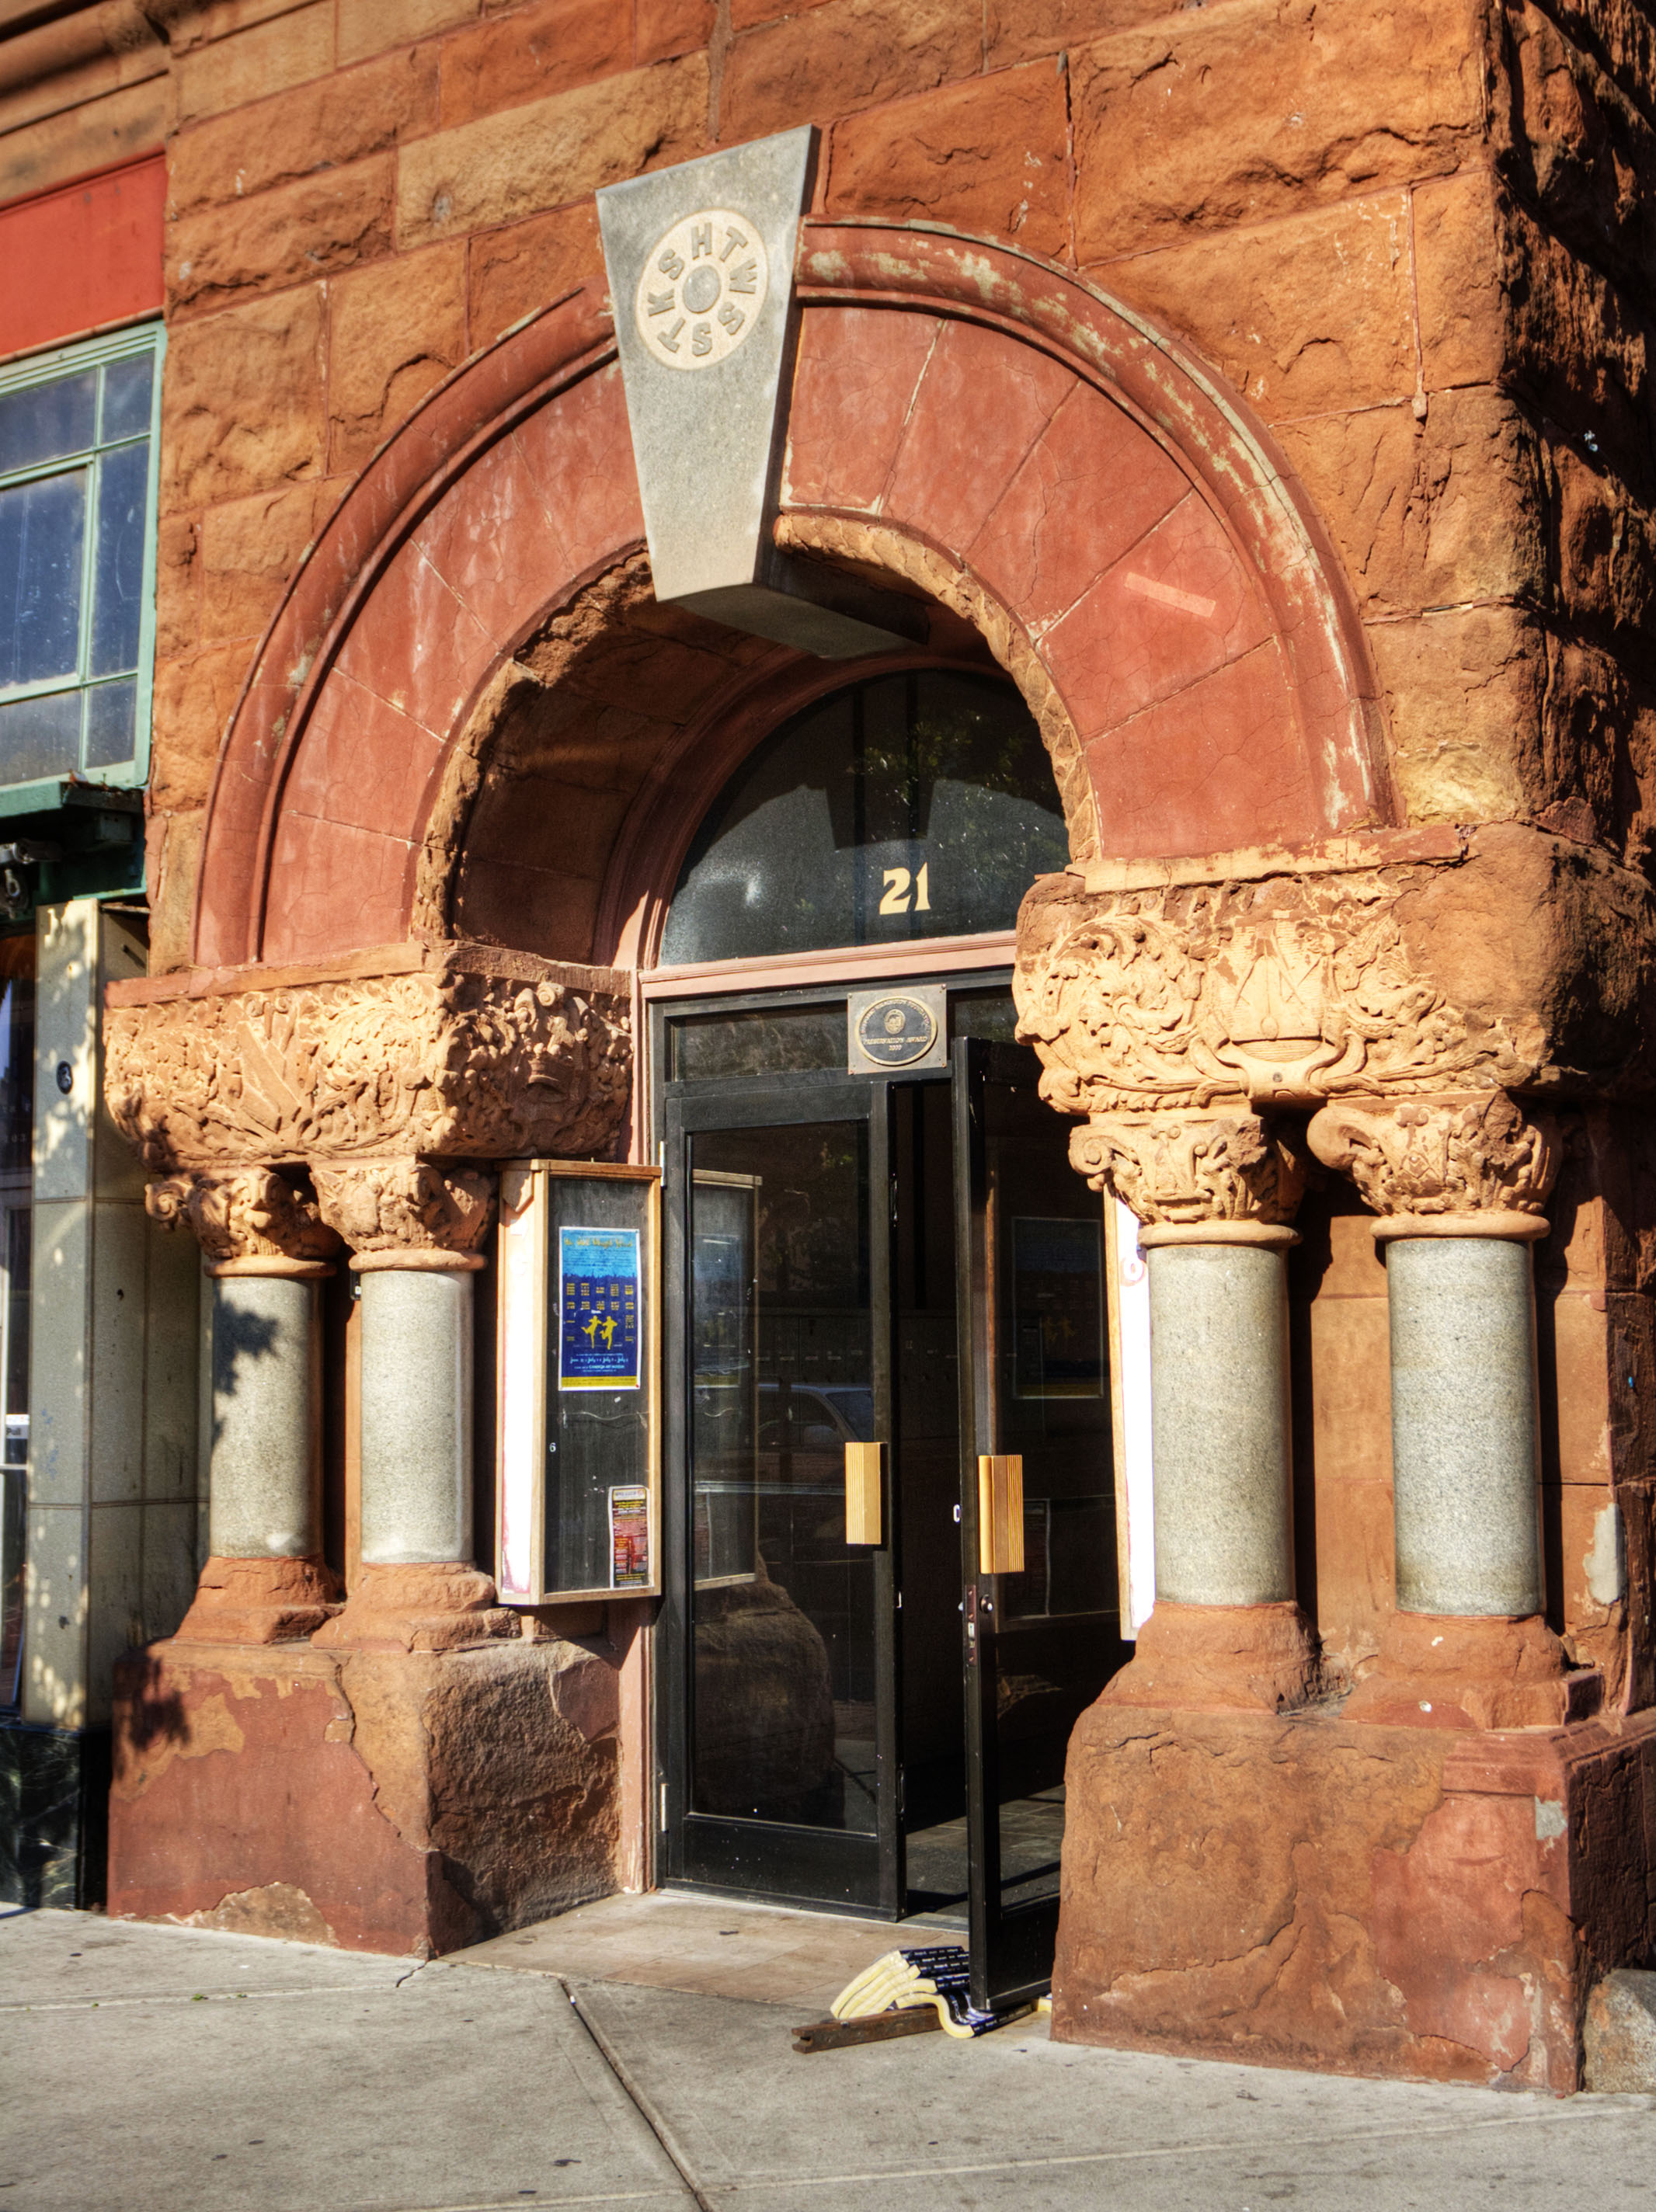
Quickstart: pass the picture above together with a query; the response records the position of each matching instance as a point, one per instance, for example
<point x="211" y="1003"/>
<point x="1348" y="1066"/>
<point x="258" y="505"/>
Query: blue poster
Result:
<point x="598" y="1344"/>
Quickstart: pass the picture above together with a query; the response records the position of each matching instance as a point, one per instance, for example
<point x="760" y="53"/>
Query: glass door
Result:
<point x="779" y="1649"/>
<point x="1041" y="1642"/>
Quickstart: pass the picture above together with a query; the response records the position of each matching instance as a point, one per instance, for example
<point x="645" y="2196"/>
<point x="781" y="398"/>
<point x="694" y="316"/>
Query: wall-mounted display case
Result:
<point x="578" y="1468"/>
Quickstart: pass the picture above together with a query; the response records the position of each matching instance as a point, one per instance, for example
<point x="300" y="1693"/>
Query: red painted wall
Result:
<point x="86" y="255"/>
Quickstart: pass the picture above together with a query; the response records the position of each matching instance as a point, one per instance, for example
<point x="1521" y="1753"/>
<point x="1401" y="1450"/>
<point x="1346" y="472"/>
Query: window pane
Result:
<point x="42" y="526"/>
<point x="118" y="593"/>
<point x="46" y="420"/>
<point x="16" y="1058"/>
<point x="703" y="1047"/>
<point x="126" y="398"/>
<point x="902" y="807"/>
<point x="111" y="709"/>
<point x="41" y="737"/>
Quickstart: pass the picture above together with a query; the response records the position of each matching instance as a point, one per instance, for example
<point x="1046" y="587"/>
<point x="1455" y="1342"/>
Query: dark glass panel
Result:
<point x="42" y="533"/>
<point x="782" y="1611"/>
<point x="117" y="587"/>
<point x="127" y="396"/>
<point x="784" y="1040"/>
<point x="111" y="712"/>
<point x="41" y="737"/>
<point x="17" y="1065"/>
<point x="988" y="1014"/>
<point x="904" y="807"/>
<point x="45" y="422"/>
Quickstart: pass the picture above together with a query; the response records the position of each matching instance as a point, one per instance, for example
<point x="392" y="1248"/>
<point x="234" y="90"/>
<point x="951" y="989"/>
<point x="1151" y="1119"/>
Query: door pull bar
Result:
<point x="864" y="1465"/>
<point x="1001" y="1513"/>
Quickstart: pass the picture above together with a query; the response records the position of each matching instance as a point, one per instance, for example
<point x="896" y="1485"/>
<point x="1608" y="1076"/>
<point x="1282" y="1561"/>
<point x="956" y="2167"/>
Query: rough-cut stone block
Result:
<point x="337" y="119"/>
<point x="193" y="702"/>
<point x="1304" y="315"/>
<point x="663" y="28"/>
<point x="1017" y="30"/>
<point x="1432" y="513"/>
<point x="241" y="404"/>
<point x="1459" y="277"/>
<point x="249" y="548"/>
<point x="369" y="26"/>
<point x="1578" y="343"/>
<point x="380" y="1801"/>
<point x="267" y="57"/>
<point x="1620" y="2034"/>
<point x="1579" y="1373"/>
<point x="550" y="46"/>
<point x="1462" y="691"/>
<point x="393" y="332"/>
<point x="172" y="850"/>
<point x="505" y="166"/>
<point x="178" y="586"/>
<point x="745" y="14"/>
<point x="1309" y="1891"/>
<point x="517" y="271"/>
<point x="1570" y="143"/>
<point x="1229" y="115"/>
<point x="308" y="228"/>
<point x="847" y="55"/>
<point x="990" y="157"/>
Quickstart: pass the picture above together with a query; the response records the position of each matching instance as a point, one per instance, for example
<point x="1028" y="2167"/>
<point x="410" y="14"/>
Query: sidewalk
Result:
<point x="160" y="2069"/>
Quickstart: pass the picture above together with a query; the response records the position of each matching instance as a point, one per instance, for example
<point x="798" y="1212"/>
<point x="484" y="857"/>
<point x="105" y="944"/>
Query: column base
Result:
<point x="1222" y="1658"/>
<point x="260" y="1602"/>
<point x="1301" y="1891"/>
<point x="333" y="1797"/>
<point x="438" y="1607"/>
<point x="1441" y="1670"/>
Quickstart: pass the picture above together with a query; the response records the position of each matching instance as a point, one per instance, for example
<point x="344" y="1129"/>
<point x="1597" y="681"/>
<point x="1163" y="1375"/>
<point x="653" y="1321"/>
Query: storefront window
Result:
<point x="16" y="1121"/>
<point x="78" y="532"/>
<point x="914" y="805"/>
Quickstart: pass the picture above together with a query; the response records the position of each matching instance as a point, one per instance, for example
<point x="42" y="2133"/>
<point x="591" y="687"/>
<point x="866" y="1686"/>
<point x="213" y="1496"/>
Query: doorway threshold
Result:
<point x="705" y="1945"/>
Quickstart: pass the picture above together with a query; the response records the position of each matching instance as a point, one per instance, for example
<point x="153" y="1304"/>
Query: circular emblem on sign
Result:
<point x="701" y="289"/>
<point x="896" y="1030"/>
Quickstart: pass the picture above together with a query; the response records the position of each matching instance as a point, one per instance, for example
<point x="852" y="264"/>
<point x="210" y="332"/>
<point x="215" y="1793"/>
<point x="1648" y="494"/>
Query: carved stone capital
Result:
<point x="241" y="1215"/>
<point x="1440" y="1156"/>
<point x="1183" y="1167"/>
<point x="457" y="1053"/>
<point x="406" y="1212"/>
<point x="1284" y="990"/>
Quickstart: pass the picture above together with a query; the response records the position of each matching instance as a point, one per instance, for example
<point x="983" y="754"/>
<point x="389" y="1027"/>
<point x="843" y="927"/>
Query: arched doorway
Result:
<point x="883" y="1274"/>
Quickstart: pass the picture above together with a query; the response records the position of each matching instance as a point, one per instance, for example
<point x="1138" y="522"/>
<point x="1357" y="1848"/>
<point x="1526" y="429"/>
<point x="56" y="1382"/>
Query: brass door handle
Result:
<point x="1001" y="1513"/>
<point x="864" y="1464"/>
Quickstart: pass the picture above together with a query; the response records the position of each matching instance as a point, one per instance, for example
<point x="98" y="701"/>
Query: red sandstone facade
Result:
<point x="1264" y="388"/>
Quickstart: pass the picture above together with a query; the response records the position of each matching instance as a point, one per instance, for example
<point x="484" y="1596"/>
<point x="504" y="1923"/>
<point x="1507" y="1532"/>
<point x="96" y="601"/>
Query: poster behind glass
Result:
<point x="578" y="1491"/>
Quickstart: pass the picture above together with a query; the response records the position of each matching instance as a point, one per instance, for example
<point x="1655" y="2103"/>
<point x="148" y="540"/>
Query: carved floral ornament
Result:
<point x="1173" y="1018"/>
<point x="1285" y="993"/>
<point x="439" y="1061"/>
<point x="372" y="1087"/>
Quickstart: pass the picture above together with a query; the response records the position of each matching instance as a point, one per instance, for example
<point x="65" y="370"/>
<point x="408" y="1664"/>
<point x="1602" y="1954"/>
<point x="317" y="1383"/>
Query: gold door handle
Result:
<point x="863" y="1466"/>
<point x="1001" y="1513"/>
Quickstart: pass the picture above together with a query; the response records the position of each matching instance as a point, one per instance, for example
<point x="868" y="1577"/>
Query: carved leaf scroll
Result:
<point x="445" y="1061"/>
<point x="1281" y="993"/>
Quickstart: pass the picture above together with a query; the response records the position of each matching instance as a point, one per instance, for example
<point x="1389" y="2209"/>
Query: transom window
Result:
<point x="911" y="805"/>
<point x="76" y="560"/>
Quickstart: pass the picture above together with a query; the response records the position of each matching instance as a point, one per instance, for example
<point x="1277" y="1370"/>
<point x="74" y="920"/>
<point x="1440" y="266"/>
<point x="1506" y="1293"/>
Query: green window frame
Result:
<point x="79" y="476"/>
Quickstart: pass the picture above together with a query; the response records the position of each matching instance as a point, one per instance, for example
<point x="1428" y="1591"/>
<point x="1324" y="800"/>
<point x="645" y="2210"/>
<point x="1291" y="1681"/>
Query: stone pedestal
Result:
<point x="381" y="1801"/>
<point x="1300" y="1891"/>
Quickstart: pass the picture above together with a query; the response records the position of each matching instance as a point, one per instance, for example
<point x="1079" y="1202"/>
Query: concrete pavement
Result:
<point x="161" y="2069"/>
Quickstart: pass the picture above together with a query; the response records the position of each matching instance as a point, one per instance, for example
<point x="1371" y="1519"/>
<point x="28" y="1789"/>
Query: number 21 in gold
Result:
<point x="896" y="900"/>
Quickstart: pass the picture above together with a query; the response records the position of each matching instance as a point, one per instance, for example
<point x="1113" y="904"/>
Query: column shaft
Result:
<point x="1464" y="1424"/>
<point x="265" y="1475"/>
<point x="416" y="1416"/>
<point x="1219" y="1423"/>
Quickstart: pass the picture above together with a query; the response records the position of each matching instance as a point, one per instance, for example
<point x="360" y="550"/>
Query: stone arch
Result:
<point x="969" y="422"/>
